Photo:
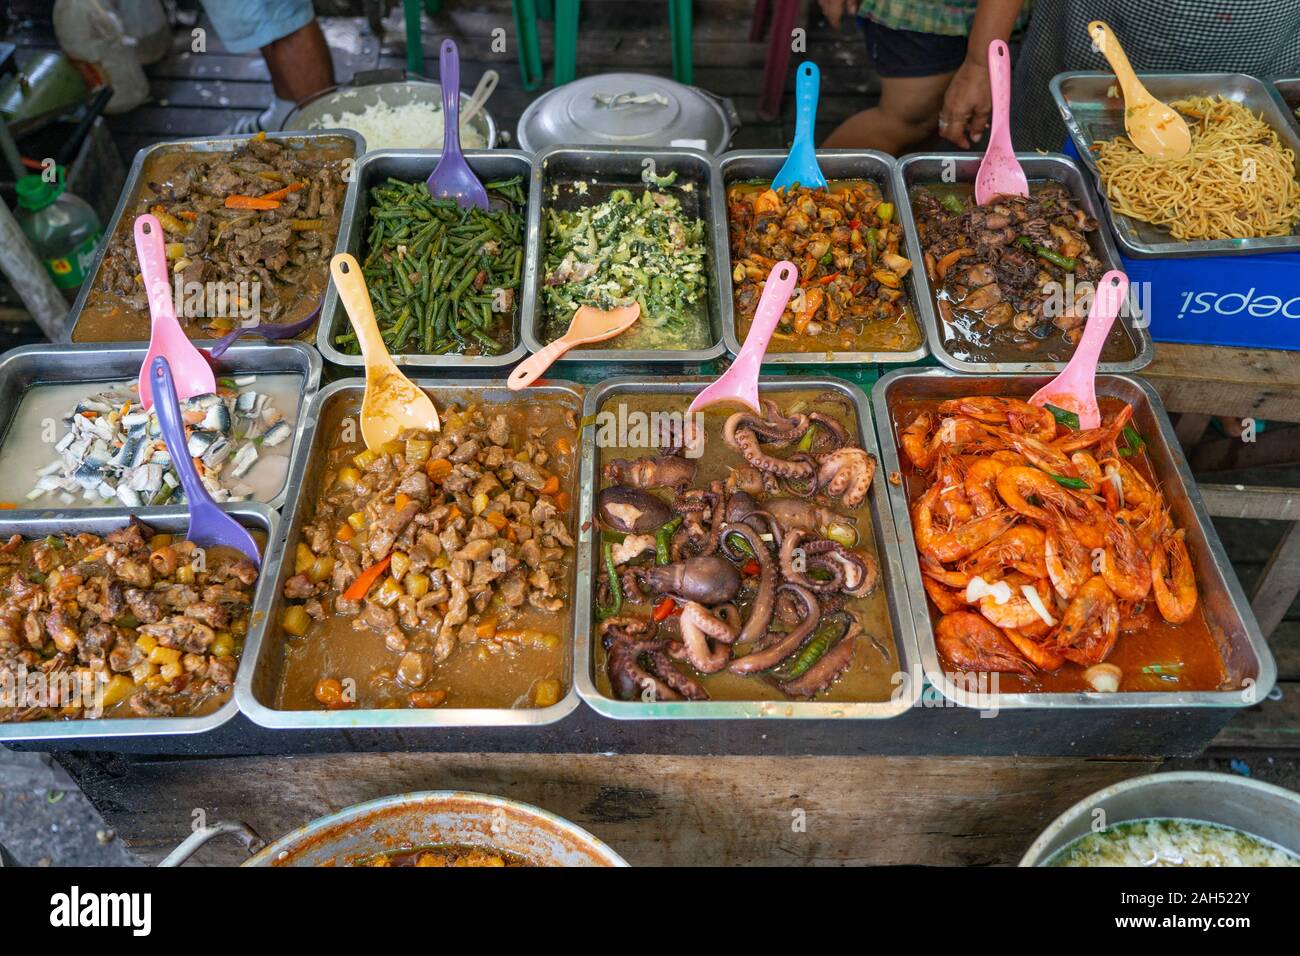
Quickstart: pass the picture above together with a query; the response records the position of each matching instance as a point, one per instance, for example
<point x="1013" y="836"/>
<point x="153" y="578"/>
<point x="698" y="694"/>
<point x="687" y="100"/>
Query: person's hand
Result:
<point x="834" y="10"/>
<point x="967" y="105"/>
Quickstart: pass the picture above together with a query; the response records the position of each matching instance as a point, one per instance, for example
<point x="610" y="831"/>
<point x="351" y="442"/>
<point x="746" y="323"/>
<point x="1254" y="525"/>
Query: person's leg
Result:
<point x="915" y="69"/>
<point x="907" y="116"/>
<point x="300" y="63"/>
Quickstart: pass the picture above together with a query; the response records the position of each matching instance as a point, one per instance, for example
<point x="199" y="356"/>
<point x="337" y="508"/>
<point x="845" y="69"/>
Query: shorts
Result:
<point x="906" y="53"/>
<point x="248" y="25"/>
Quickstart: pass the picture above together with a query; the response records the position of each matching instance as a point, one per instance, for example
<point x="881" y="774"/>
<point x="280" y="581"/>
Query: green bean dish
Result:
<point x="443" y="279"/>
<point x="629" y="249"/>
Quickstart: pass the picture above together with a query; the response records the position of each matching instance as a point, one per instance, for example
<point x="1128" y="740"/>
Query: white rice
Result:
<point x="408" y="126"/>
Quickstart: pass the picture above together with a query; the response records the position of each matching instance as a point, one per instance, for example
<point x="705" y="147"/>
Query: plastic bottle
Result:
<point x="61" y="227"/>
<point x="92" y="34"/>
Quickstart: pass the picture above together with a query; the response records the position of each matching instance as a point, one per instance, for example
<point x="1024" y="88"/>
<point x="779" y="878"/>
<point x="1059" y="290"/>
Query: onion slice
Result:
<point x="1031" y="595"/>
<point x="977" y="588"/>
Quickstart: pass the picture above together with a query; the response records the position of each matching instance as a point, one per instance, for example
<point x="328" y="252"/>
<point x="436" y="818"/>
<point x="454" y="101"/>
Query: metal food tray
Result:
<point x="836" y="164"/>
<point x="174" y="519"/>
<point x="607" y="169"/>
<point x="1245" y="653"/>
<point x="1289" y="90"/>
<point x="1091" y="115"/>
<point x="961" y="168"/>
<point x="95" y="364"/>
<point x="257" y="685"/>
<point x="207" y="144"/>
<point x="415" y="165"/>
<point x="907" y="683"/>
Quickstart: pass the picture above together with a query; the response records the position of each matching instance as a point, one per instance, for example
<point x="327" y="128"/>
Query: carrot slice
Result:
<point x="358" y="588"/>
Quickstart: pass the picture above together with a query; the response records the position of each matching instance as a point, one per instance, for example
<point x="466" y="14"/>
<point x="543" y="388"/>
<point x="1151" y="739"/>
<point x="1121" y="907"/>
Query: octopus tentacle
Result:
<point x="760" y="612"/>
<point x="697" y="627"/>
<point x="846" y="473"/>
<point x="861" y="570"/>
<point x="770" y="656"/>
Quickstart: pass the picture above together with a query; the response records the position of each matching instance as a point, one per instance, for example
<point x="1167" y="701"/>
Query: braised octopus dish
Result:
<point x="748" y="572"/>
<point x="1048" y="553"/>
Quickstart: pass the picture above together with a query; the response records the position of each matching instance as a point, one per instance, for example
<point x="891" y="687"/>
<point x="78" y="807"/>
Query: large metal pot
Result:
<point x="408" y="820"/>
<point x="395" y="87"/>
<point x="1259" y="809"/>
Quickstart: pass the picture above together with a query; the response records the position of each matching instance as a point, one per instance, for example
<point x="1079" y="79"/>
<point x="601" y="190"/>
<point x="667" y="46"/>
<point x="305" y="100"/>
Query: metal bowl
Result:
<point x="411" y="820"/>
<point x="396" y="89"/>
<point x="1260" y="809"/>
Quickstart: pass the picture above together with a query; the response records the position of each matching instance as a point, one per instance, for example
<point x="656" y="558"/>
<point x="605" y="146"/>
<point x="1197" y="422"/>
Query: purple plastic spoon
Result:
<point x="739" y="383"/>
<point x="1074" y="389"/>
<point x="1000" y="173"/>
<point x="267" y="330"/>
<point x="209" y="525"/>
<point x="452" y="178"/>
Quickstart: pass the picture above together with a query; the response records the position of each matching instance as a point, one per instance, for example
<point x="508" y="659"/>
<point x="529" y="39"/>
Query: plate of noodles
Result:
<point x="1236" y="191"/>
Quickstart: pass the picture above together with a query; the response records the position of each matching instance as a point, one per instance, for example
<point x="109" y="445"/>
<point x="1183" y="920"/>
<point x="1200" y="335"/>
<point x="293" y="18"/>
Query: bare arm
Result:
<point x="968" y="103"/>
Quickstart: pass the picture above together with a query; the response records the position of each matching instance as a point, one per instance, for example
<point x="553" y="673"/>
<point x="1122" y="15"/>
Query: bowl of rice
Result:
<point x="401" y="114"/>
<point x="1183" y="818"/>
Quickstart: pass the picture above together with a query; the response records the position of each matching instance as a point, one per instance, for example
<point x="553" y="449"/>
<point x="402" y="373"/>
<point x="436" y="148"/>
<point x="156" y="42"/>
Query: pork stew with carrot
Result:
<point x="436" y="569"/>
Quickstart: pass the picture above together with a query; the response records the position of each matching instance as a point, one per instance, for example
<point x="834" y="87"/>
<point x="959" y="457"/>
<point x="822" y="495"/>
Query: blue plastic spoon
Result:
<point x="800" y="166"/>
<point x="209" y="525"/>
<point x="452" y="178"/>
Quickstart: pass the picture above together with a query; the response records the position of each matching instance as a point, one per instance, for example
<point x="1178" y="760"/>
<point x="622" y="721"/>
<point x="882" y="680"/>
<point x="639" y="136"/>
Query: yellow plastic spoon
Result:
<point x="393" y="403"/>
<point x="1155" y="128"/>
<point x="589" y="325"/>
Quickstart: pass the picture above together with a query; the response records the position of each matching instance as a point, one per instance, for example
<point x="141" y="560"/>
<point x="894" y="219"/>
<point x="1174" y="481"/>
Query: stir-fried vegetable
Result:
<point x="615" y="587"/>
<point x="629" y="249"/>
<point x="443" y="279"/>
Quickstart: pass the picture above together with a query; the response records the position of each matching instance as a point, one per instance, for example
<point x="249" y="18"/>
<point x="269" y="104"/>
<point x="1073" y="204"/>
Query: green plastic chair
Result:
<point x="565" y="12"/>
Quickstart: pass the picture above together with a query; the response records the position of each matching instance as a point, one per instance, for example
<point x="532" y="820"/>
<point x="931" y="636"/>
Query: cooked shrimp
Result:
<point x="1172" y="578"/>
<point x="1017" y="612"/>
<point x="1017" y="485"/>
<point x="1089" y="470"/>
<point x="1126" y="569"/>
<point x="1126" y="489"/>
<point x="1041" y="454"/>
<point x="945" y="599"/>
<point x="1068" y="561"/>
<point x="970" y="643"/>
<point x="953" y="545"/>
<point x="1105" y="435"/>
<point x="1021" y="416"/>
<point x="915" y="439"/>
<point x="952" y="498"/>
<point x="1021" y="547"/>
<point x="1037" y="653"/>
<point x="1090" y="625"/>
<point x="980" y="478"/>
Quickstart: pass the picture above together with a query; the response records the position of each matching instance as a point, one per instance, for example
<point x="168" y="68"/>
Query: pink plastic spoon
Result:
<point x="739" y="383"/>
<point x="190" y="370"/>
<point x="1000" y="173"/>
<point x="1074" y="389"/>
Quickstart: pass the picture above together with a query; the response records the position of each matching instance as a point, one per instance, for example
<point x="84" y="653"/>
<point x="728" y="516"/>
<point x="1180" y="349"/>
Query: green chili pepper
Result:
<point x="1068" y="419"/>
<point x="952" y="203"/>
<point x="1135" y="440"/>
<point x="1077" y="483"/>
<point x="1163" y="668"/>
<point x="740" y="543"/>
<point x="663" y="540"/>
<point x="805" y="443"/>
<point x="615" y="586"/>
<point x="814" y="650"/>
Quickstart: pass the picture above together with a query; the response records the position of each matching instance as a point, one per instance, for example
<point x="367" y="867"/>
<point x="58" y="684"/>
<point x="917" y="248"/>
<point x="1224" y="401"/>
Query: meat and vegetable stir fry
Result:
<point x="443" y="279"/>
<point x="133" y="624"/>
<point x="645" y="249"/>
<point x="1014" y="278"/>
<point x="267" y="213"/>
<point x="1049" y="552"/>
<point x="751" y="573"/>
<point x="845" y="242"/>
<point x="436" y="569"/>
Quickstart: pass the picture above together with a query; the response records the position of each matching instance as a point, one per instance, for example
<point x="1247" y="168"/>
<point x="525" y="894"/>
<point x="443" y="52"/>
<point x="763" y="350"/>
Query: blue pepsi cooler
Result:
<point x="1247" y="299"/>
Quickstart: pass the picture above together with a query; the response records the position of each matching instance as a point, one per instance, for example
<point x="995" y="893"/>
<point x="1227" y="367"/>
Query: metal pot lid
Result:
<point x="627" y="109"/>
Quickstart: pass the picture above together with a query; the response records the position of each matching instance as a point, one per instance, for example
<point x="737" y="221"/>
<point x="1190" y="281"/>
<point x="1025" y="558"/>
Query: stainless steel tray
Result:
<point x="869" y="164"/>
<point x="173" y="519"/>
<point x="1289" y="90"/>
<point x="907" y="683"/>
<point x="1091" y="115"/>
<point x="961" y="168"/>
<point x="99" y="363"/>
<point x="415" y="165"/>
<point x="257" y="684"/>
<point x="1245" y="652"/>
<point x="208" y="144"/>
<point x="609" y="169"/>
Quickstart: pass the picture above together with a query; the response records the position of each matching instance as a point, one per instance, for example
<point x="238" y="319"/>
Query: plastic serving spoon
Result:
<point x="1154" y="127"/>
<point x="393" y="403"/>
<point x="1074" y="389"/>
<point x="739" y="383"/>
<point x="166" y="337"/>
<point x="267" y="330"/>
<point x="209" y="525"/>
<point x="1000" y="173"/>
<point x="589" y="325"/>
<point x="487" y="84"/>
<point x="801" y="165"/>
<point x="452" y="178"/>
